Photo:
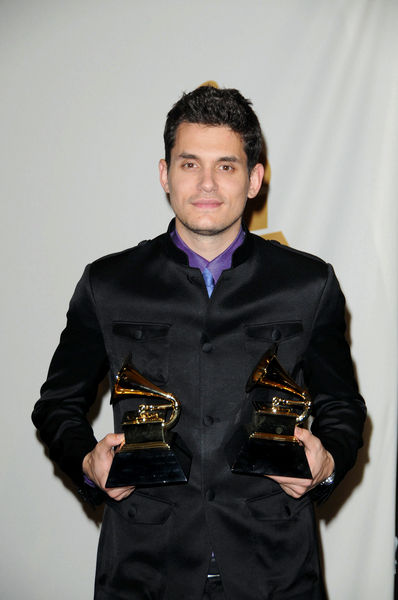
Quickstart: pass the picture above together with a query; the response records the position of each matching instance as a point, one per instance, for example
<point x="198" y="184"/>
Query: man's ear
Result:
<point x="255" y="180"/>
<point x="164" y="181"/>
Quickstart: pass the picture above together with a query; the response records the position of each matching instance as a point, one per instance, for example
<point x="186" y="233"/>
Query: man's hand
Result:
<point x="96" y="465"/>
<point x="319" y="459"/>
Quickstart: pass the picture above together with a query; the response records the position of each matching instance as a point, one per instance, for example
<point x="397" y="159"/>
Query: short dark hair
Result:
<point x="212" y="106"/>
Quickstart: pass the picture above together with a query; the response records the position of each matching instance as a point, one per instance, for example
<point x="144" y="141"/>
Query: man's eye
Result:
<point x="226" y="168"/>
<point x="189" y="165"/>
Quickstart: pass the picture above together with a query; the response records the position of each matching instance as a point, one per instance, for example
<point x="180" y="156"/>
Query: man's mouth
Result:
<point x="208" y="203"/>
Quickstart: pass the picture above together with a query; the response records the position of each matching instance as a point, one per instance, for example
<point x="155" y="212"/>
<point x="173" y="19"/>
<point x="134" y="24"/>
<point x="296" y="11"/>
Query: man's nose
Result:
<point x="207" y="181"/>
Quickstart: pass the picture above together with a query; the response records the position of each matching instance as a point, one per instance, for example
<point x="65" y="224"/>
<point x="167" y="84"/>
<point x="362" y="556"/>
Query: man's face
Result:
<point x="207" y="180"/>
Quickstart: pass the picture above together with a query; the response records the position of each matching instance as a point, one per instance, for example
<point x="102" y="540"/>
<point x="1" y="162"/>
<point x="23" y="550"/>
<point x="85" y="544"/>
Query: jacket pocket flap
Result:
<point x="274" y="332"/>
<point x="141" y="508"/>
<point x="278" y="506"/>
<point x="140" y="331"/>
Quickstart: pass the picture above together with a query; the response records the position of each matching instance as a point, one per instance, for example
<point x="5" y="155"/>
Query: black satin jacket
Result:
<point x="148" y="303"/>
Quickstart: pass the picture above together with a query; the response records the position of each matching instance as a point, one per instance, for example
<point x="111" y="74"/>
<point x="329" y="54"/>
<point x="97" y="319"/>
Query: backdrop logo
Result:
<point x="256" y="214"/>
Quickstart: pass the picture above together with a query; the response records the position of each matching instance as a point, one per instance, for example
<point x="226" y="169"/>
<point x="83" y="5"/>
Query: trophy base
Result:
<point x="269" y="457"/>
<point x="147" y="467"/>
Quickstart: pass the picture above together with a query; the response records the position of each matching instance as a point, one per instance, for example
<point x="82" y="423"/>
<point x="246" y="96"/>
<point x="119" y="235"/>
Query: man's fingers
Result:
<point x="119" y="493"/>
<point x="290" y="480"/>
<point x="319" y="459"/>
<point x="293" y="486"/>
<point x="107" y="444"/>
<point x="96" y="464"/>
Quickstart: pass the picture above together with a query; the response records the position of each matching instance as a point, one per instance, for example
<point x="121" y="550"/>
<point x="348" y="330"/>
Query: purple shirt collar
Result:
<point x="217" y="265"/>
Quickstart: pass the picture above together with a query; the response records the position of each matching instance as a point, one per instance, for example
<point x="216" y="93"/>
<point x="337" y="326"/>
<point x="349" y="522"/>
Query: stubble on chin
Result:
<point x="209" y="231"/>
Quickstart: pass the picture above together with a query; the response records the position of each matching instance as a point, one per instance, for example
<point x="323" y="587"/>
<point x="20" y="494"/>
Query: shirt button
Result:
<point x="208" y="420"/>
<point x="210" y="495"/>
<point x="207" y="347"/>
<point x="276" y="335"/>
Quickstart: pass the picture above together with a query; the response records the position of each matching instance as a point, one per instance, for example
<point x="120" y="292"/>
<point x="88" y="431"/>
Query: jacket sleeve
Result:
<point x="78" y="366"/>
<point x="339" y="411"/>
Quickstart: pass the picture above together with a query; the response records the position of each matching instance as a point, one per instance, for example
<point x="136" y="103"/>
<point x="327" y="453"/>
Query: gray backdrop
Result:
<point x="85" y="87"/>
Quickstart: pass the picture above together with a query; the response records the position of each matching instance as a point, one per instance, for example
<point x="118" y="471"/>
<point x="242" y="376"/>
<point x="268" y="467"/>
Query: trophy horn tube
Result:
<point x="175" y="411"/>
<point x="306" y="411"/>
<point x="129" y="381"/>
<point x="175" y="406"/>
<point x="298" y="392"/>
<point x="270" y="373"/>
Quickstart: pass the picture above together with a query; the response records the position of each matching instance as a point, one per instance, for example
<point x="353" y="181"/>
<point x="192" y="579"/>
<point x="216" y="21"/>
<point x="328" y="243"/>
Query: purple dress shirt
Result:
<point x="217" y="265"/>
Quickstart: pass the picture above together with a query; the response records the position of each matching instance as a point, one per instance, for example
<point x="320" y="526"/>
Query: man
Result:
<point x="196" y="308"/>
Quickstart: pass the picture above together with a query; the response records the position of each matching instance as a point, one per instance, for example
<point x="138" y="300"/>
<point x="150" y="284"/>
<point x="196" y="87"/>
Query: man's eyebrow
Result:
<point x="187" y="155"/>
<point x="233" y="159"/>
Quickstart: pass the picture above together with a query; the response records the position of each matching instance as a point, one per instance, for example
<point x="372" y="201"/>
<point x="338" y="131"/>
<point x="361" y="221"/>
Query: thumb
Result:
<point x="303" y="435"/>
<point x="113" y="439"/>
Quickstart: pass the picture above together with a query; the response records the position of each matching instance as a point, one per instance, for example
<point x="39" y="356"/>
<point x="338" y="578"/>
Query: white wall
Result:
<point x="85" y="87"/>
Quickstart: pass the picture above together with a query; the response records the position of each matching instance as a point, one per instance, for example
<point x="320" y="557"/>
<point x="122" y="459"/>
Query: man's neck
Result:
<point x="208" y="246"/>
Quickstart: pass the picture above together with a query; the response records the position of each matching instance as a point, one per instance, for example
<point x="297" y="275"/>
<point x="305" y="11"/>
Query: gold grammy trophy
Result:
<point x="151" y="454"/>
<point x="279" y="404"/>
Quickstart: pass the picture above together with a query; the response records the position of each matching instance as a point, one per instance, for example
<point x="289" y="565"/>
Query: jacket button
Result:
<point x="276" y="335"/>
<point x="137" y="334"/>
<point x="132" y="512"/>
<point x="210" y="495"/>
<point x="207" y="347"/>
<point x="208" y="420"/>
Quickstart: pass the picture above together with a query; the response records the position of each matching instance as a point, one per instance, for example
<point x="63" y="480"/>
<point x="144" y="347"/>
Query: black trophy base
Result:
<point x="151" y="466"/>
<point x="269" y="457"/>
